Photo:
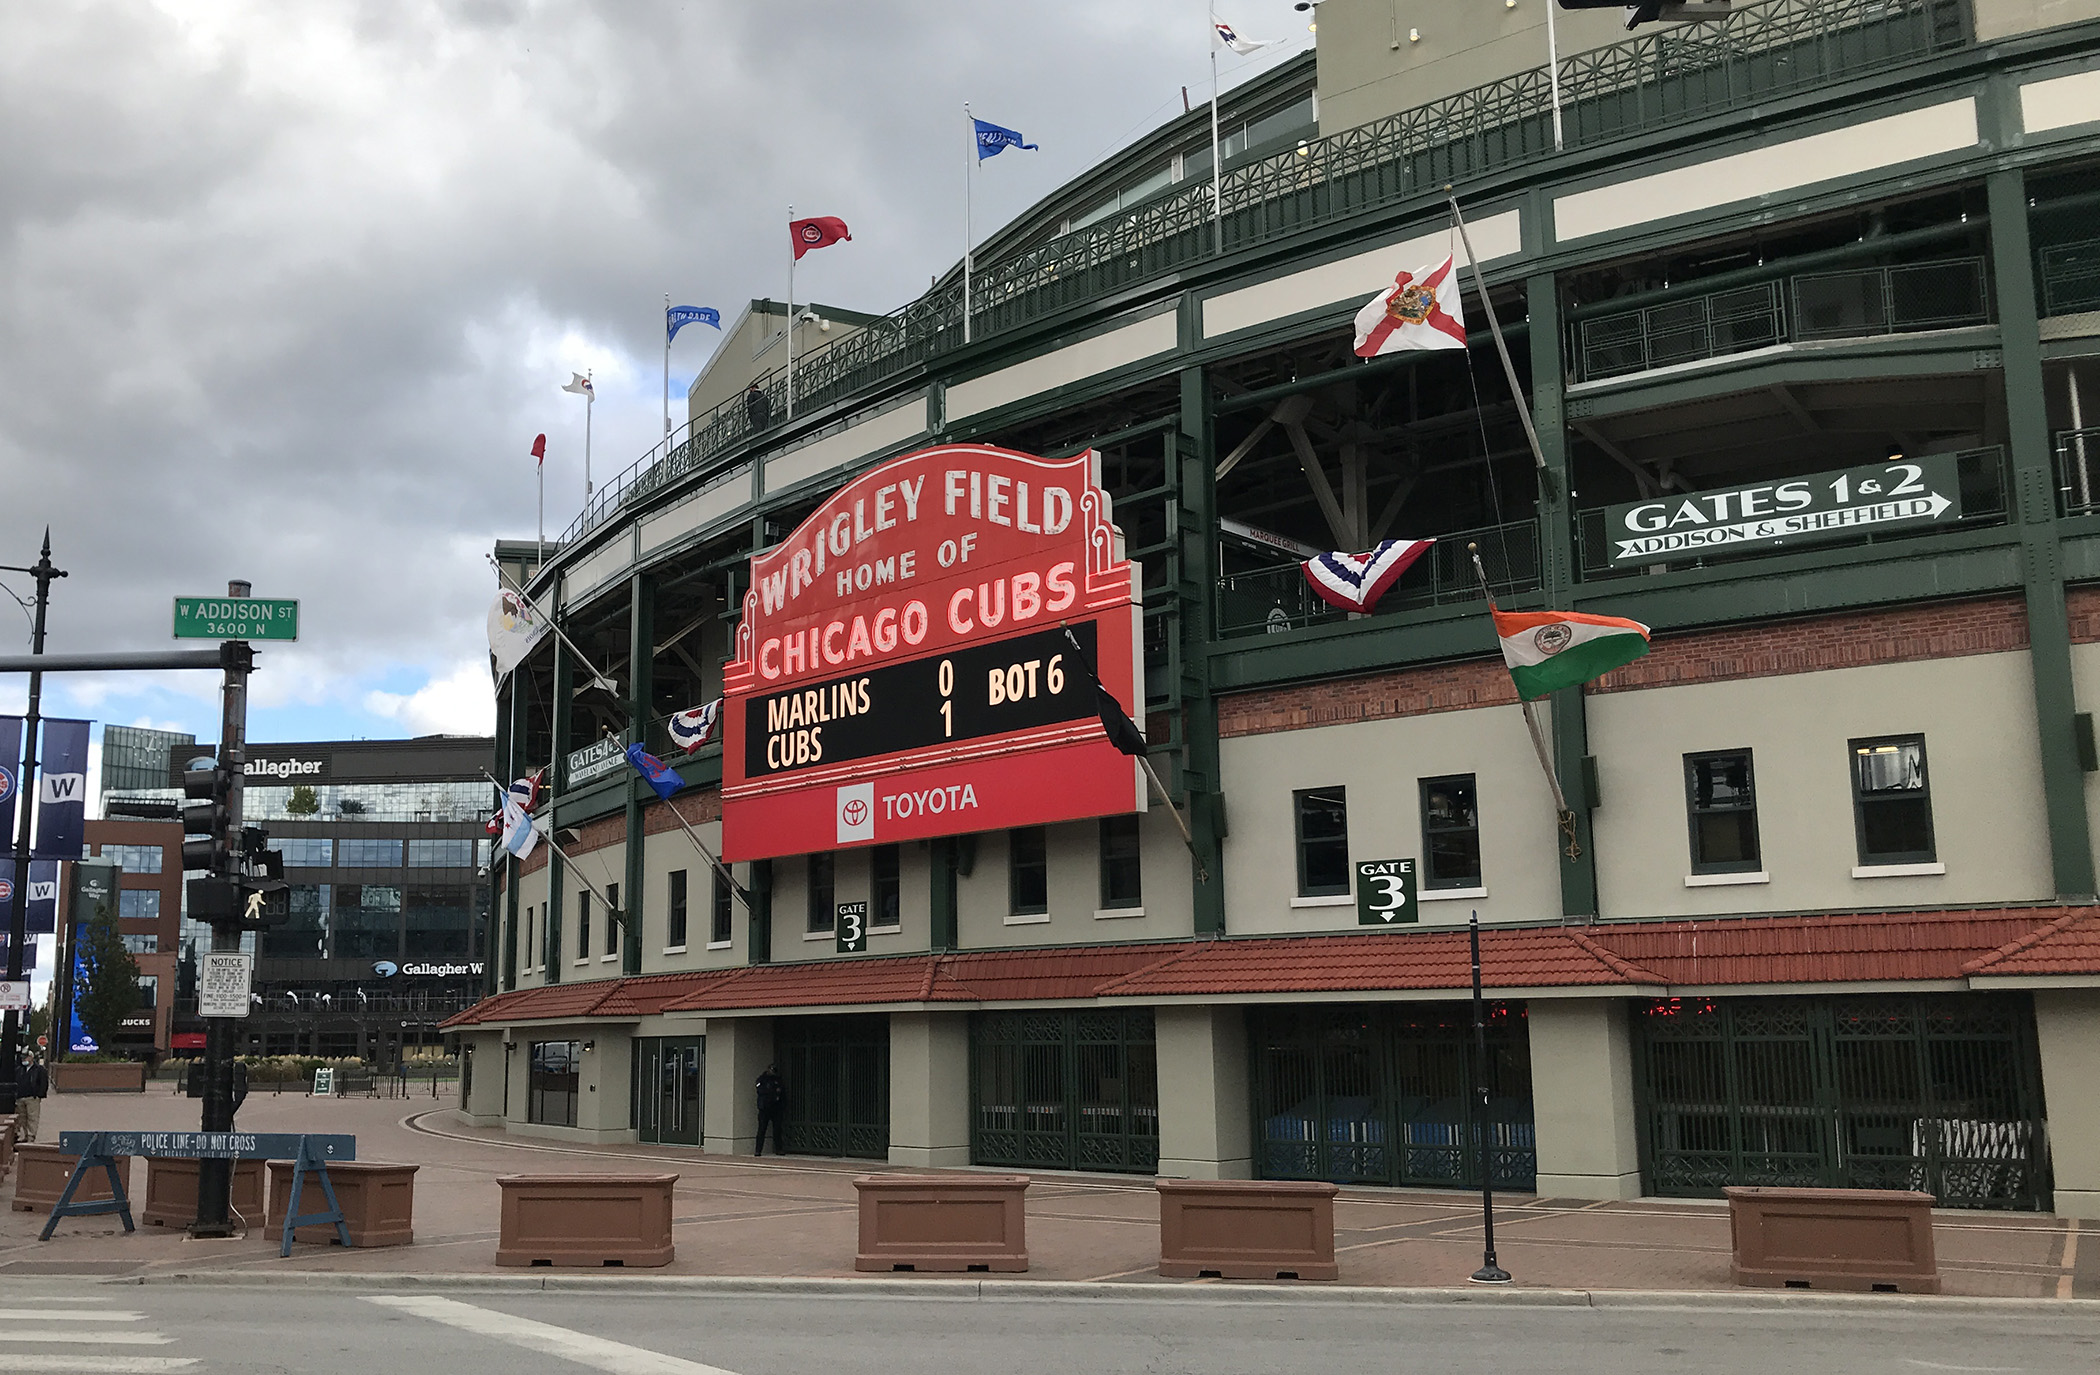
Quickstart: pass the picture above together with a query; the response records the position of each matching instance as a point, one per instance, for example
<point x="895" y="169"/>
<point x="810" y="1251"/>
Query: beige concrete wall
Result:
<point x="484" y="1105"/>
<point x="1582" y="1098"/>
<point x="662" y="853"/>
<point x="738" y="1049"/>
<point x="602" y="1088"/>
<point x="2004" y="18"/>
<point x="851" y="881"/>
<point x="1982" y="758"/>
<point x="2085" y="688"/>
<point x="2067" y="1028"/>
<point x="601" y="867"/>
<point x="1370" y="68"/>
<point x="1076" y="917"/>
<point x="1381" y="764"/>
<point x="930" y="1089"/>
<point x="1205" y="1127"/>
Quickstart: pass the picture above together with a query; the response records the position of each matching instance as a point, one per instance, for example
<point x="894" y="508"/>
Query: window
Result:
<point x="135" y="859"/>
<point x="368" y="854"/>
<point x="440" y="919"/>
<point x="612" y="919"/>
<point x="305" y="934"/>
<point x="822" y="913"/>
<point x="1323" y="841"/>
<point x="718" y="928"/>
<point x="1892" y="801"/>
<point x="306" y="852"/>
<point x="141" y="945"/>
<point x="674" y="923"/>
<point x="583" y="925"/>
<point x="1121" y="880"/>
<point x="552" y="1084"/>
<point x="886" y="882"/>
<point x="367" y="921"/>
<point x="1720" y="802"/>
<point x="529" y="925"/>
<point x="1028" y="870"/>
<point x="441" y="854"/>
<point x="138" y="904"/>
<point x="149" y="989"/>
<point x="1450" y="833"/>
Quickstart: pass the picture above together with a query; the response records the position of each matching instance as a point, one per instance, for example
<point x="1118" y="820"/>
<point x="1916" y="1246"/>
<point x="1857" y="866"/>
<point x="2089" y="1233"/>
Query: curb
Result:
<point x="1007" y="1291"/>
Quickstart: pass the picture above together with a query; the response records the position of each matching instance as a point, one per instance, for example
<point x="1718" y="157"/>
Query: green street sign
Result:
<point x="236" y="618"/>
<point x="1385" y="892"/>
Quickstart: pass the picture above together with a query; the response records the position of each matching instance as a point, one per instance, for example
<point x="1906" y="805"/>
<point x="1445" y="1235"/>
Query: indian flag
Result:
<point x="1550" y="650"/>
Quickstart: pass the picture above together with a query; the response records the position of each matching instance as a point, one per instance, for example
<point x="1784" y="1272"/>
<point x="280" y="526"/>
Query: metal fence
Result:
<point x="1934" y="1092"/>
<point x="2078" y="471"/>
<point x="1761" y="52"/>
<point x="1822" y="305"/>
<point x="1065" y="1090"/>
<point x="2070" y="275"/>
<point x="1272" y="598"/>
<point x="835" y="1072"/>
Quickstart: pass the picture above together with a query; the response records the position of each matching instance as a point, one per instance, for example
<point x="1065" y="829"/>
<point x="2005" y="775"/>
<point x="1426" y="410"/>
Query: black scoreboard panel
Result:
<point x="1019" y="683"/>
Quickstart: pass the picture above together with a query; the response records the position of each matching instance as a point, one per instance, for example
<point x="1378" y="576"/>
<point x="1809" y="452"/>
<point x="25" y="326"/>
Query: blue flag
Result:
<point x="661" y="776"/>
<point x="42" y="910"/>
<point x="10" y="764"/>
<point x="61" y="799"/>
<point x="678" y="317"/>
<point x="992" y="140"/>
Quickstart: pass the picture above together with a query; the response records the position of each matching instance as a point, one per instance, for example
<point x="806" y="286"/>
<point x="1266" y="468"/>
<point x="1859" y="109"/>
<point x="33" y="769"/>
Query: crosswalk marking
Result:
<point x="77" y="1337"/>
<point x="58" y="1364"/>
<point x="599" y="1353"/>
<point x="44" y="1315"/>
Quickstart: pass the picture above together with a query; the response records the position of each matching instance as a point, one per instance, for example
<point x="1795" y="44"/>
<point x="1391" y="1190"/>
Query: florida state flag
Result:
<point x="819" y="231"/>
<point x="1419" y="311"/>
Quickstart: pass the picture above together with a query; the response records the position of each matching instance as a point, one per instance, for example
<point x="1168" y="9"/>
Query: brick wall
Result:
<point x="697" y="808"/>
<point x="2085" y="613"/>
<point x="1939" y="630"/>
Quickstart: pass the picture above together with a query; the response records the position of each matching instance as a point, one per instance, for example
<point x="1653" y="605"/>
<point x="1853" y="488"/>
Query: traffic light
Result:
<point x="207" y="844"/>
<point x="1653" y="10"/>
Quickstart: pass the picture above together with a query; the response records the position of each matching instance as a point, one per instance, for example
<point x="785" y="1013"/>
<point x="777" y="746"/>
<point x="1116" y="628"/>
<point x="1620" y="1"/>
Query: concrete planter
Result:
<point x="171" y="1191"/>
<point x="1246" y="1230"/>
<point x="43" y="1171"/>
<point x="943" y="1222"/>
<point x="378" y="1202"/>
<point x="585" y="1219"/>
<point x="99" y="1077"/>
<point x="1861" y="1239"/>
<point x="7" y="1145"/>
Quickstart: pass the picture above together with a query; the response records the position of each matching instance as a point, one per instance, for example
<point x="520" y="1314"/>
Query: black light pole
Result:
<point x="25" y="789"/>
<point x="1489" y="1272"/>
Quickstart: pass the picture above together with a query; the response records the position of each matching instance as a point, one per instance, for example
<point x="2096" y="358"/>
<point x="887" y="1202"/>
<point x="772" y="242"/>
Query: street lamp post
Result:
<point x="18" y="902"/>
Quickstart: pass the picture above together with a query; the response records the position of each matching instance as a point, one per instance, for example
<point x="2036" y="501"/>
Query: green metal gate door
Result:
<point x="1386" y="1095"/>
<point x="1940" y="1092"/>
<point x="836" y="1075"/>
<point x="1065" y="1090"/>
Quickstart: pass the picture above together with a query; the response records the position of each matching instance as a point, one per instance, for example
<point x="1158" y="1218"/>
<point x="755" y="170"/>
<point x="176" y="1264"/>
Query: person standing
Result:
<point x="758" y="408"/>
<point x="32" y="1082"/>
<point x="772" y="1095"/>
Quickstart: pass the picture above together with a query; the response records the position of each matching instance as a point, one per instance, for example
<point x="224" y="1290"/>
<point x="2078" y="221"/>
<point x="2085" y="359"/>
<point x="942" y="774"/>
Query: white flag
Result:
<point x="1420" y="310"/>
<point x="1240" y="45"/>
<point x="581" y="385"/>
<point x="515" y="626"/>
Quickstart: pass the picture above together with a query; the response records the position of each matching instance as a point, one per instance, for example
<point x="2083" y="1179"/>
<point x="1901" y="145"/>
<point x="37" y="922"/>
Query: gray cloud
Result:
<point x="311" y="274"/>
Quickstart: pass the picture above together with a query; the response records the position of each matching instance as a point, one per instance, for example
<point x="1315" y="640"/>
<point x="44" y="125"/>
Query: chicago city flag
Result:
<point x="1420" y="310"/>
<point x="1550" y="650"/>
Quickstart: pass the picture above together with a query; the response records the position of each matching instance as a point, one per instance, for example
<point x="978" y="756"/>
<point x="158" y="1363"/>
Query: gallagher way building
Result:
<point x="1806" y="312"/>
<point x="384" y="846"/>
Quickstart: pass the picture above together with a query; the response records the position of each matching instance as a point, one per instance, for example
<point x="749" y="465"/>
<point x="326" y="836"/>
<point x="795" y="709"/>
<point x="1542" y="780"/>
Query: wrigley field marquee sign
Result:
<point x="901" y="669"/>
<point x="1905" y="495"/>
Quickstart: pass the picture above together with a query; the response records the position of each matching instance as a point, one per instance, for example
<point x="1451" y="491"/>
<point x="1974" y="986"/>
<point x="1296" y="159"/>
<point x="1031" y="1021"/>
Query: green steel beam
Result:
<point x="2034" y="487"/>
<point x="1865" y="360"/>
<point x="564" y="704"/>
<point x="759" y="940"/>
<point x="1192" y="453"/>
<point x="513" y="870"/>
<point x="641" y="692"/>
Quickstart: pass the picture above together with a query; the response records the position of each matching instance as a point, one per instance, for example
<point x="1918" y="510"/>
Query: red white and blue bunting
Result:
<point x="1355" y="582"/>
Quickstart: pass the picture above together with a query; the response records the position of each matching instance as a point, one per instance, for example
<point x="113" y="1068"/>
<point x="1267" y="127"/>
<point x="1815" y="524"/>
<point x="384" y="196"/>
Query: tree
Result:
<point x="303" y="802"/>
<point x="109" y="978"/>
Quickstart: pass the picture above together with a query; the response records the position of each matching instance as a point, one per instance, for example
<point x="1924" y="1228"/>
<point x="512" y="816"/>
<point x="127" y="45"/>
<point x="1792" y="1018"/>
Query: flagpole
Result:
<point x="547" y="834"/>
<point x="1553" y="61"/>
<point x="791" y="313"/>
<point x="667" y="365"/>
<point x="590" y="400"/>
<point x="1217" y="165"/>
<point x="597" y="678"/>
<point x="969" y="211"/>
<point x="1531" y="720"/>
<point x="1490" y="1272"/>
<point x="1487" y="308"/>
<point x="542" y="466"/>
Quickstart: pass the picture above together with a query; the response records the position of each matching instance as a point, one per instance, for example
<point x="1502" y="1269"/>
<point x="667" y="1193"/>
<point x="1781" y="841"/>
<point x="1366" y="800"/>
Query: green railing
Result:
<point x="1273" y="598"/>
<point x="1761" y="52"/>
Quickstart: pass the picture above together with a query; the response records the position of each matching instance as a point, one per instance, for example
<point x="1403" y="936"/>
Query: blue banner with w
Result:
<point x="61" y="794"/>
<point x="993" y="139"/>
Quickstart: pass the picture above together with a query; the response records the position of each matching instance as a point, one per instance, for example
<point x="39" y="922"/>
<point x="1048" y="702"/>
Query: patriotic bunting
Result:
<point x="1355" y="582"/>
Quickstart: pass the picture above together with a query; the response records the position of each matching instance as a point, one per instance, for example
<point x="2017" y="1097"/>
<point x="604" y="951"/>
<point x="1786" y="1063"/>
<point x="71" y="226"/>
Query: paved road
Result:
<point x="73" y="1326"/>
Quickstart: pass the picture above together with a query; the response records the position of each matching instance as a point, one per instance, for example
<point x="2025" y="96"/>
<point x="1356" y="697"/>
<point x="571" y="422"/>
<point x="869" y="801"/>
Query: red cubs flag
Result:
<point x="819" y="231"/>
<point x="539" y="449"/>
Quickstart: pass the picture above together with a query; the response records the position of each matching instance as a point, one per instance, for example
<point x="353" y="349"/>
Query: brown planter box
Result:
<point x="1833" y="1239"/>
<point x="585" y="1219"/>
<point x="1247" y="1230"/>
<point x="99" y="1077"/>
<point x="171" y="1191"/>
<point x="7" y="1145"/>
<point x="43" y="1171"/>
<point x="943" y="1222"/>
<point x="378" y="1202"/>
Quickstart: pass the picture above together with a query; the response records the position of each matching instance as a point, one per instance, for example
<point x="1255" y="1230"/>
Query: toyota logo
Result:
<point x="856" y="813"/>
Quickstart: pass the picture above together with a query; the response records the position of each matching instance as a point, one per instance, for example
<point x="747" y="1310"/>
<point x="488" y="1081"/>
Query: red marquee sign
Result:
<point x="902" y="669"/>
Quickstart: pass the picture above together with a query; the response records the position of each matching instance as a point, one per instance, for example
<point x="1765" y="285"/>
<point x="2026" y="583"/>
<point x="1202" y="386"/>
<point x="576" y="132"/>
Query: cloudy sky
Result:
<point x="286" y="290"/>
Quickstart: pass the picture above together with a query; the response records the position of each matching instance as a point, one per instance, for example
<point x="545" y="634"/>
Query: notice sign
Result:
<point x="14" y="995"/>
<point x="853" y="928"/>
<point x="225" y="980"/>
<point x="901" y="668"/>
<point x="1904" y="495"/>
<point x="1385" y="893"/>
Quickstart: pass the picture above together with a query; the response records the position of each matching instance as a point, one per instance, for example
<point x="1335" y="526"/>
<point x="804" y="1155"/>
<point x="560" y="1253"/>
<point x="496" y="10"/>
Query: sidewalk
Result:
<point x="795" y="1217"/>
